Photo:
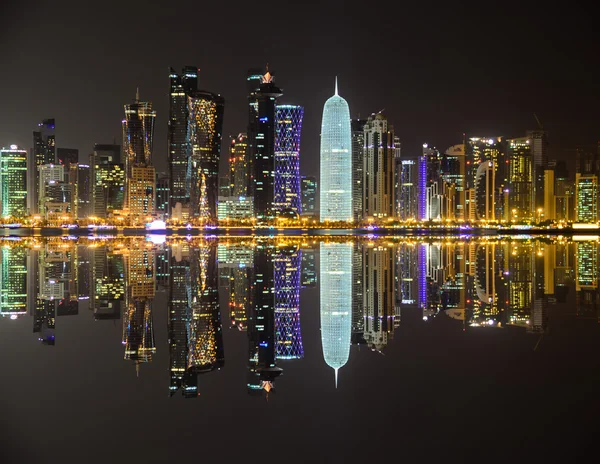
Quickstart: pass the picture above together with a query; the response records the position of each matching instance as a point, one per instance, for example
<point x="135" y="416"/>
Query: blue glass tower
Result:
<point x="336" y="161"/>
<point x="287" y="159"/>
<point x="336" y="303"/>
<point x="287" y="271"/>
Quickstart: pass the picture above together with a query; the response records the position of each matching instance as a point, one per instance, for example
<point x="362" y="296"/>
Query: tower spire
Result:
<point x="137" y="94"/>
<point x="336" y="92"/>
<point x="337" y="368"/>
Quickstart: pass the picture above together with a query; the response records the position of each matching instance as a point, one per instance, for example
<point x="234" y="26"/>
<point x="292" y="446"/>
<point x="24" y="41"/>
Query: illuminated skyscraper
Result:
<point x="205" y="125"/>
<point x="140" y="180"/>
<point x="407" y="190"/>
<point x="13" y="182"/>
<point x="236" y="263"/>
<point x="238" y="165"/>
<point x="264" y="149"/>
<point x="429" y="191"/>
<point x="287" y="159"/>
<point x="287" y="271"/>
<point x="358" y="152"/>
<point x="521" y="196"/>
<point x="485" y="179"/>
<point x="336" y="303"/>
<point x="163" y="193"/>
<point x="586" y="184"/>
<point x="43" y="152"/>
<point x="13" y="281"/>
<point x="452" y="170"/>
<point x="181" y="86"/>
<point x="378" y="168"/>
<point x="108" y="180"/>
<point x="253" y="80"/>
<point x="336" y="161"/>
<point x="587" y="296"/>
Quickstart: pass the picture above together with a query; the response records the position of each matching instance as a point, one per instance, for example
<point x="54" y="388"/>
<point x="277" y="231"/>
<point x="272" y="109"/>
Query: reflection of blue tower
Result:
<point x="336" y="303"/>
<point x="422" y="275"/>
<point x="287" y="271"/>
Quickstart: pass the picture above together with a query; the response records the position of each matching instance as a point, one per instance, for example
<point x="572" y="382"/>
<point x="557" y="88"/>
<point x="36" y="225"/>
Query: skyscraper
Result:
<point x="308" y="189"/>
<point x="379" y="199"/>
<point x="108" y="180"/>
<point x="43" y="152"/>
<point x="264" y="150"/>
<point x="205" y="124"/>
<point x="452" y="169"/>
<point x="83" y="191"/>
<point x="182" y="85"/>
<point x="253" y="80"/>
<point x="358" y="150"/>
<point x="587" y="190"/>
<point x="238" y="165"/>
<point x="336" y="303"/>
<point x="13" y="182"/>
<point x="407" y="194"/>
<point x="336" y="161"/>
<point x="138" y="134"/>
<point x="520" y="177"/>
<point x="287" y="159"/>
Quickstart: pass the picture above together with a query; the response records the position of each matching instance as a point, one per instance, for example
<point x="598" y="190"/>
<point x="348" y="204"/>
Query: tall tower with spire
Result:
<point x="336" y="160"/>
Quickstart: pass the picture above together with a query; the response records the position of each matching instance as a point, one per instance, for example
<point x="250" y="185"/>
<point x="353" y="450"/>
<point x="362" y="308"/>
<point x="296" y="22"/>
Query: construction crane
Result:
<point x="538" y="121"/>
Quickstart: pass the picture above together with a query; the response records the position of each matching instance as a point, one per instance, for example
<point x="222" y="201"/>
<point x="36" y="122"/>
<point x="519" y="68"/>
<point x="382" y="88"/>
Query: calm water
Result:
<point x="348" y="351"/>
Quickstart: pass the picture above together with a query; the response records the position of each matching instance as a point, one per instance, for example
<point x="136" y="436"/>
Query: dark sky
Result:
<point x="438" y="70"/>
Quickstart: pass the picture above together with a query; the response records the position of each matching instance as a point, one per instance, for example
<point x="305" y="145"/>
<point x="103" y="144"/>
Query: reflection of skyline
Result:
<point x="481" y="283"/>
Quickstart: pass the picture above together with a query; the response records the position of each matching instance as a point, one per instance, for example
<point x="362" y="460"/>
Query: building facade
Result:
<point x="287" y="194"/>
<point x="13" y="182"/>
<point x="357" y="127"/>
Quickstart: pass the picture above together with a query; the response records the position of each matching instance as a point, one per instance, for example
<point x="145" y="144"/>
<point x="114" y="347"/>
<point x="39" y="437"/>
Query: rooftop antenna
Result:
<point x="336" y="377"/>
<point x="336" y="87"/>
<point x="137" y="94"/>
<point x="538" y="122"/>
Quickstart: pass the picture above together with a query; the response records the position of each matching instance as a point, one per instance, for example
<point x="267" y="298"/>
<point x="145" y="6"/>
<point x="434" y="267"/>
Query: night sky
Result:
<point x="437" y="70"/>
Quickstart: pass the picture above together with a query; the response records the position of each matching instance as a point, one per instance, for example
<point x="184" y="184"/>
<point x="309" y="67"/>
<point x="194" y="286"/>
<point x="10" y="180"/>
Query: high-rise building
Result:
<point x="287" y="273"/>
<point x="336" y="161"/>
<point x="308" y="188"/>
<point x="239" y="154"/>
<point x="539" y="160"/>
<point x="379" y="180"/>
<point x="138" y="135"/>
<point x="253" y="81"/>
<point x="108" y="180"/>
<point x="429" y="194"/>
<point x="357" y="127"/>
<point x="51" y="178"/>
<point x="308" y="277"/>
<point x="521" y="179"/>
<point x="205" y="124"/>
<point x="407" y="190"/>
<point x="163" y="192"/>
<point x="181" y="86"/>
<point x="287" y="196"/>
<point x="485" y="204"/>
<point x="549" y="197"/>
<point x="586" y="184"/>
<point x="336" y="303"/>
<point x="83" y="191"/>
<point x="43" y="152"/>
<point x="452" y="170"/>
<point x="67" y="156"/>
<point x="264" y="149"/>
<point x="13" y="182"/>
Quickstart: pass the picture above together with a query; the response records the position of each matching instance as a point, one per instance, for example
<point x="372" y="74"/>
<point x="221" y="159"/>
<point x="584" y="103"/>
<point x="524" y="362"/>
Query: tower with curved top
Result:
<point x="336" y="161"/>
<point x="336" y="303"/>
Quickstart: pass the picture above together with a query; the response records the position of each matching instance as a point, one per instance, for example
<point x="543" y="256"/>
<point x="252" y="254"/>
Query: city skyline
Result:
<point x="420" y="106"/>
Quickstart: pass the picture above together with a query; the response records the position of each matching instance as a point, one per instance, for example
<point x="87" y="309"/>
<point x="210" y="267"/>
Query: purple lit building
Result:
<point x="287" y="159"/>
<point x="287" y="272"/>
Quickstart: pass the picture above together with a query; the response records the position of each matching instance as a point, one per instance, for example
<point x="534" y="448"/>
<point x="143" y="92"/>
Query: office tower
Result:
<point x="262" y="360"/>
<point x="182" y="85"/>
<point x="205" y="123"/>
<point x="43" y="152"/>
<point x="308" y="189"/>
<point x="254" y="79"/>
<point x="13" y="182"/>
<point x="287" y="198"/>
<point x="336" y="161"/>
<point x="308" y="278"/>
<point x="108" y="180"/>
<point x="138" y="134"/>
<point x="586" y="184"/>
<point x="54" y="193"/>
<point x="407" y="190"/>
<point x="379" y="295"/>
<point x="549" y="197"/>
<point x="238" y="165"/>
<point x="163" y="193"/>
<point x="67" y="156"/>
<point x="485" y="204"/>
<point x="358" y="304"/>
<point x="378" y="168"/>
<point x="13" y="282"/>
<point x="357" y="127"/>
<point x="264" y="149"/>
<point x="429" y="198"/>
<point x="521" y="180"/>
<point x="564" y="189"/>
<point x="287" y="272"/>
<point x="539" y="160"/>
<point x="224" y="186"/>
<point x="452" y="171"/>
<point x="140" y="275"/>
<point x="83" y="191"/>
<point x="336" y="303"/>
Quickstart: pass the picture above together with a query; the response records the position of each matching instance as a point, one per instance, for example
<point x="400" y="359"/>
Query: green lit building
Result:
<point x="13" y="181"/>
